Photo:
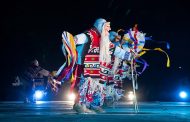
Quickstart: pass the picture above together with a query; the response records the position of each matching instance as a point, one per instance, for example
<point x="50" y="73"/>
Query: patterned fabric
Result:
<point x="96" y="73"/>
<point x="91" y="61"/>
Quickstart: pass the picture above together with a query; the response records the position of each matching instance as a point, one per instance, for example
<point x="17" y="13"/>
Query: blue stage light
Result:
<point x="183" y="94"/>
<point x="38" y="94"/>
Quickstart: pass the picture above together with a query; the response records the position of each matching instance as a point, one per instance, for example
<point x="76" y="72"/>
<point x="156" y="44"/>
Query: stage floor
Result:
<point x="61" y="111"/>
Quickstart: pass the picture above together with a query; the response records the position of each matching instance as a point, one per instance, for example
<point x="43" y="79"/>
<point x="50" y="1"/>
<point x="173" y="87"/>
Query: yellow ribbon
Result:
<point x="157" y="49"/>
<point x="168" y="59"/>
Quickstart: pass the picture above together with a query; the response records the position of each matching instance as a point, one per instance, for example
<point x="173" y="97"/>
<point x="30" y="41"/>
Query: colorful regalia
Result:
<point x="89" y="63"/>
<point x="96" y="66"/>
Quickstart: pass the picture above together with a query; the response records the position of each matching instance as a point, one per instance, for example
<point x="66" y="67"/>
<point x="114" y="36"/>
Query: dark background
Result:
<point x="31" y="29"/>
